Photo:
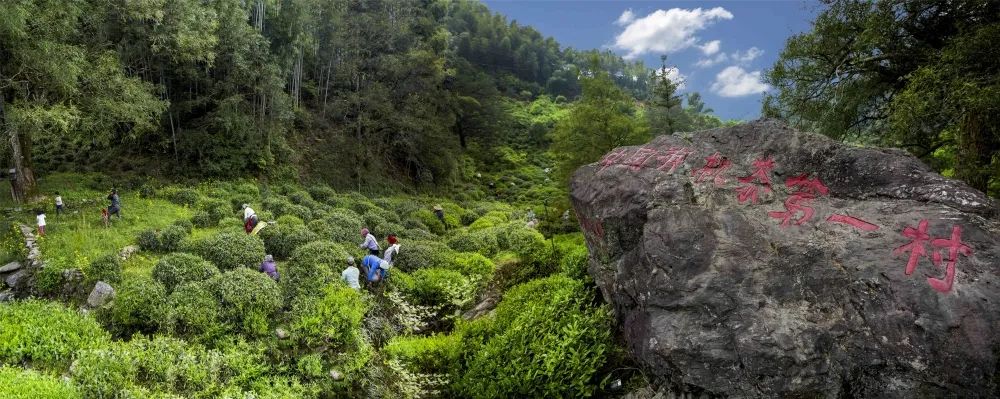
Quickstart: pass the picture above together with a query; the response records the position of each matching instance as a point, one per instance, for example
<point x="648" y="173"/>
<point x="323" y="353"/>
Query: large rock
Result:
<point x="100" y="295"/>
<point x="758" y="261"/>
<point x="14" y="279"/>
<point x="10" y="267"/>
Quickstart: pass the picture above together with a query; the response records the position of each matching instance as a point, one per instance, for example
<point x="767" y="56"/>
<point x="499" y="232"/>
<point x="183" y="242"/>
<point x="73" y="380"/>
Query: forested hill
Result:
<point x="356" y="93"/>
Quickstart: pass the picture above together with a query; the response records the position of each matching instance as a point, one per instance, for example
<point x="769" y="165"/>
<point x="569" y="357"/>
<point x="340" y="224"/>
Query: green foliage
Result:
<point x="310" y="366"/>
<point x="427" y="218"/>
<point x="211" y="210"/>
<point x="438" y="353"/>
<point x="181" y="196"/>
<point x="176" y="269"/>
<point x="45" y="334"/>
<point x="490" y="219"/>
<point x="49" y="279"/>
<point x="344" y="226"/>
<point x="660" y="115"/>
<point x="28" y="384"/>
<point x="482" y="240"/>
<point x="290" y="220"/>
<point x="602" y="120"/>
<point x="248" y="299"/>
<point x="421" y="254"/>
<point x="165" y="240"/>
<point x="329" y="320"/>
<point x="574" y="263"/>
<point x="281" y="239"/>
<point x="311" y="267"/>
<point x="193" y="311"/>
<point x="546" y="341"/>
<point x="229" y="250"/>
<point x="475" y="266"/>
<point x="107" y="268"/>
<point x="138" y="307"/>
<point x="435" y="286"/>
<point x="321" y="193"/>
<point x="527" y="243"/>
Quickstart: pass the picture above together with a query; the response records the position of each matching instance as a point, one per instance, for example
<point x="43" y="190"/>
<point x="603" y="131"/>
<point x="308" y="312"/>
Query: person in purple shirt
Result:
<point x="370" y="243"/>
<point x="269" y="267"/>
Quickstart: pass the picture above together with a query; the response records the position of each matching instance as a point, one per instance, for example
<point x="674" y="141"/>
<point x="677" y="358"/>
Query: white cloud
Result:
<point x="675" y="76"/>
<point x="747" y="56"/>
<point x="666" y="31"/>
<point x="711" y="47"/>
<point x="707" y="62"/>
<point x="626" y="18"/>
<point x="739" y="58"/>
<point x="736" y="82"/>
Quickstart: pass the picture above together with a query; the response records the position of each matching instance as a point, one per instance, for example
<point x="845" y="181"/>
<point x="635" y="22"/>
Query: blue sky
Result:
<point x="720" y="48"/>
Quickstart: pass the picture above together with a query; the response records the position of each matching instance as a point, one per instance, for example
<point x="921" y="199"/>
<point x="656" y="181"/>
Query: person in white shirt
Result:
<point x="249" y="218"/>
<point x="351" y="275"/>
<point x="370" y="243"/>
<point x="40" y="217"/>
<point x="59" y="204"/>
<point x="393" y="249"/>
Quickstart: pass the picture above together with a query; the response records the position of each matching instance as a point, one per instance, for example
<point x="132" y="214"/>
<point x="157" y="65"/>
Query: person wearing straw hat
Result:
<point x="439" y="212"/>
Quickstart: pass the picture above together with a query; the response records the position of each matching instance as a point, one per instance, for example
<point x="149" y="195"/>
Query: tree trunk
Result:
<point x="23" y="184"/>
<point x="973" y="156"/>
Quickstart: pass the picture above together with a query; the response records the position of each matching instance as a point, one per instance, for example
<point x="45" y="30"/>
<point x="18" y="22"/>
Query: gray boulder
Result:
<point x="14" y="279"/>
<point x="758" y="261"/>
<point x="12" y="266"/>
<point x="100" y="295"/>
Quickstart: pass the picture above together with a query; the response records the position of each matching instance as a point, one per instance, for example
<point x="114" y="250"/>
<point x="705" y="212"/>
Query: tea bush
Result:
<point x="216" y="209"/>
<point x="428" y="219"/>
<point x="184" y="224"/>
<point x="574" y="263"/>
<point x="322" y="228"/>
<point x="193" y="311"/>
<point x="107" y="268"/>
<point x="138" y="307"/>
<point x="330" y="320"/>
<point x="322" y="193"/>
<point x="45" y="334"/>
<point x="438" y="353"/>
<point x="180" y="196"/>
<point x="483" y="241"/>
<point x="415" y="255"/>
<point x="248" y="299"/>
<point x="165" y="240"/>
<point x="527" y="243"/>
<point x="436" y="286"/>
<point x="546" y="340"/>
<point x="29" y="384"/>
<point x="229" y="250"/>
<point x="311" y="267"/>
<point x="281" y="239"/>
<point x="475" y="266"/>
<point x="179" y="268"/>
<point x="490" y="219"/>
<point x="344" y="225"/>
<point x="290" y="220"/>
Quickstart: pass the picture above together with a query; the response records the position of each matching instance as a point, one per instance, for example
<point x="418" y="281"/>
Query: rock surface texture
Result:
<point x="758" y="261"/>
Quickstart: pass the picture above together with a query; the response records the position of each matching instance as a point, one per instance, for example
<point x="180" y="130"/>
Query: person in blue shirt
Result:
<point x="375" y="267"/>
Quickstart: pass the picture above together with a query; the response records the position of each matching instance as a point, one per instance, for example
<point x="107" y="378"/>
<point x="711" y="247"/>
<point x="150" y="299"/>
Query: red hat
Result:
<point x="391" y="239"/>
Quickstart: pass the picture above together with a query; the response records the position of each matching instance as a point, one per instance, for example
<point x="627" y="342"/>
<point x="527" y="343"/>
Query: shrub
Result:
<point x="234" y="223"/>
<point x="180" y="196"/>
<point x="202" y="219"/>
<point x="439" y="286"/>
<point x="28" y="384"/>
<point x="376" y="224"/>
<point x="482" y="241"/>
<point x="164" y="365"/>
<point x="329" y="320"/>
<point x="165" y="240"/>
<point x="417" y="235"/>
<point x="280" y="240"/>
<point x="290" y="220"/>
<point x="248" y="299"/>
<point x="427" y="218"/>
<point x="300" y="211"/>
<point x="216" y="208"/>
<point x="345" y="225"/>
<point x="229" y="250"/>
<point x="185" y="224"/>
<point x="49" y="279"/>
<point x="437" y="353"/>
<point x="490" y="219"/>
<point x="107" y="268"/>
<point x="311" y="267"/>
<point x="138" y="307"/>
<point x="179" y="268"/>
<point x="574" y="263"/>
<point x="310" y="366"/>
<point x="193" y="311"/>
<point x="45" y="334"/>
<point x="322" y="193"/>
<point x="475" y="266"/>
<point x="547" y="340"/>
<point x="321" y="228"/>
<point x="415" y="255"/>
<point x="527" y="243"/>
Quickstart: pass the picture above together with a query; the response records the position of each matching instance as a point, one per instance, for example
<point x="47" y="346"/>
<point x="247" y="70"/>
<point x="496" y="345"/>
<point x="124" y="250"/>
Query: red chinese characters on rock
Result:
<point x="917" y="247"/>
<point x="806" y="189"/>
<point x="668" y="159"/>
<point x="715" y="166"/>
<point x="761" y="177"/>
<point x="593" y="229"/>
<point x="852" y="221"/>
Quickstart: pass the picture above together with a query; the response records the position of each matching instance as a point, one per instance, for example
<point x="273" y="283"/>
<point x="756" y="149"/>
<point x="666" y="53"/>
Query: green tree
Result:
<point x="662" y="113"/>
<point x="845" y="79"/>
<point x="602" y="120"/>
